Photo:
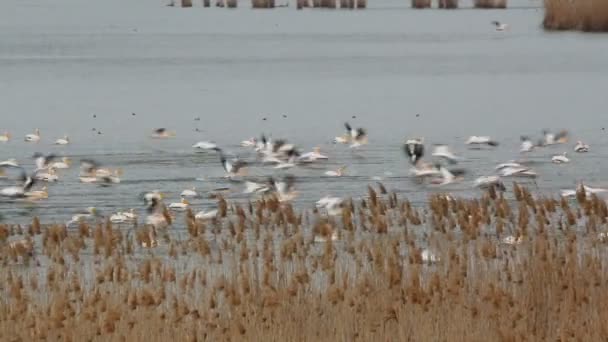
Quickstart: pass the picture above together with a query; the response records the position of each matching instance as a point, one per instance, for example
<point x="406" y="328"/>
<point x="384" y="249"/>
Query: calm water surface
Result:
<point x="63" y="61"/>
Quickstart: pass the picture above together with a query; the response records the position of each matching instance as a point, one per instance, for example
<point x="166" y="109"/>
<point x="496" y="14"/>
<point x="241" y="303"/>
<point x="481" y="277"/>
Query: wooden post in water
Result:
<point x="361" y="4"/>
<point x="186" y="3"/>
<point x="448" y="4"/>
<point x="231" y="3"/>
<point x="206" y="3"/>
<point x="421" y="3"/>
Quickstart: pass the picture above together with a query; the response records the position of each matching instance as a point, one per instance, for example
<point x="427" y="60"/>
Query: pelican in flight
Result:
<point x="34" y="137"/>
<point x="233" y="167"/>
<point x="481" y="140"/>
<point x="315" y="155"/>
<point x="358" y="137"/>
<point x="284" y="189"/>
<point x="443" y="152"/>
<point x="19" y="191"/>
<point x="414" y="150"/>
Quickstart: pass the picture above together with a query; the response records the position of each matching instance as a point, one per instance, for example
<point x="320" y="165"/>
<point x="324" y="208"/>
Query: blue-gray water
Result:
<point x="62" y="61"/>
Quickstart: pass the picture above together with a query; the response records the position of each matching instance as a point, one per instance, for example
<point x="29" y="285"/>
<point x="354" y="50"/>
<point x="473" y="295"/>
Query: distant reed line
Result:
<point x="342" y="4"/>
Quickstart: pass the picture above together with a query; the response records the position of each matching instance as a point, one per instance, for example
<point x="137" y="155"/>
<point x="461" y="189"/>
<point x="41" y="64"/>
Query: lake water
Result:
<point x="63" y="61"/>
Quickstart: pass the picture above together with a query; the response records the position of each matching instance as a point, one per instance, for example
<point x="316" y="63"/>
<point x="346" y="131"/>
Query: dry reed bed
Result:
<point x="490" y="3"/>
<point x="259" y="272"/>
<point x="584" y="15"/>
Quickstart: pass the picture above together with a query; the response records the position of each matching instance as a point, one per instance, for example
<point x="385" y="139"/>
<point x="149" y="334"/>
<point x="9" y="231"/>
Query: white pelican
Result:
<point x="581" y="187"/>
<point x="313" y="156"/>
<point x="284" y="189"/>
<point x="561" y="158"/>
<point x="124" y="217"/>
<point x="47" y="176"/>
<point x="252" y="142"/>
<point x="205" y="145"/>
<point x="336" y="173"/>
<point x="447" y="176"/>
<point x="514" y="171"/>
<point x="581" y="147"/>
<point x="481" y="140"/>
<point x="429" y="257"/>
<point x="232" y="167"/>
<point x="179" y="206"/>
<point x="358" y="137"/>
<point x="252" y="187"/>
<point x="322" y="239"/>
<point x="5" y="137"/>
<point x="34" y="137"/>
<point x="43" y="162"/>
<point x="35" y="195"/>
<point x="10" y="163"/>
<point x="205" y="215"/>
<point x="552" y="139"/>
<point x="162" y="133"/>
<point x="65" y="163"/>
<point x="526" y="145"/>
<point x="189" y="193"/>
<point x="89" y="213"/>
<point x="414" y="149"/>
<point x="512" y="240"/>
<point x="486" y="182"/>
<point x="443" y="151"/>
<point x="500" y="26"/>
<point x="423" y="170"/>
<point x="331" y="205"/>
<point x="18" y="191"/>
<point x="63" y="141"/>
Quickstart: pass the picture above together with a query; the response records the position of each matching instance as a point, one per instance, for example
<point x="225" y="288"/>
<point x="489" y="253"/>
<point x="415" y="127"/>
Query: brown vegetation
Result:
<point x="448" y="4"/>
<point x="262" y="3"/>
<point x="483" y="269"/>
<point x="186" y="3"/>
<point x="589" y="15"/>
<point x="421" y="3"/>
<point x="490" y="3"/>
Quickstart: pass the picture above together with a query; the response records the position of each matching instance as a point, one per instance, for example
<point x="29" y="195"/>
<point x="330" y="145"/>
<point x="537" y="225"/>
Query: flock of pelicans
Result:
<point x="278" y="154"/>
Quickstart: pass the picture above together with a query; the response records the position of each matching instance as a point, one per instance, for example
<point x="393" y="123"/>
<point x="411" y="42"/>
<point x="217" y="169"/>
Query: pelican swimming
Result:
<point x="414" y="149"/>
<point x="581" y="147"/>
<point x="34" y="137"/>
<point x="124" y="216"/>
<point x="85" y="215"/>
<point x="180" y="206"/>
<point x="5" y="137"/>
<point x="205" y="145"/>
<point x="189" y="193"/>
<point x="336" y="173"/>
<point x="500" y="26"/>
<point x="331" y="204"/>
<point x="34" y="195"/>
<point x="65" y="163"/>
<point x="560" y="158"/>
<point x="63" y="141"/>
<point x="206" y="215"/>
<point x="19" y="191"/>
<point x="252" y="142"/>
<point x="481" y="140"/>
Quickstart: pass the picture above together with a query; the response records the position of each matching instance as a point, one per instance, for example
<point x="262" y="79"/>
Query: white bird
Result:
<point x="336" y="173"/>
<point x="581" y="187"/>
<point x="47" y="176"/>
<point x="443" y="151"/>
<point x="65" y="163"/>
<point x="358" y="137"/>
<point x="284" y="189"/>
<point x="414" y="149"/>
<point x="423" y="170"/>
<point x="43" y="162"/>
<point x="10" y="162"/>
<point x="510" y="171"/>
<point x="552" y="139"/>
<point x="232" y="167"/>
<point x="512" y="240"/>
<point x="252" y="187"/>
<point x="5" y="137"/>
<point x="581" y="147"/>
<point x="124" y="217"/>
<point x="481" y="140"/>
<point x="34" y="137"/>
<point x="18" y="191"/>
<point x="429" y="257"/>
<point x="561" y="158"/>
<point x="322" y="239"/>
<point x="313" y="156"/>
<point x="331" y="205"/>
<point x="252" y="142"/>
<point x="511" y="164"/>
<point x="87" y="214"/>
<point x="526" y="145"/>
<point x="205" y="145"/>
<point x="499" y="26"/>
<point x="488" y="182"/>
<point x="189" y="193"/>
<point x="179" y="206"/>
<point x="447" y="176"/>
<point x="35" y="195"/>
<point x="63" y="141"/>
<point x="206" y="215"/>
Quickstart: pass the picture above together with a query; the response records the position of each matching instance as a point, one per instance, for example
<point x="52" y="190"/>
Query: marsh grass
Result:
<point x="447" y="4"/>
<point x="490" y="3"/>
<point x="421" y="3"/>
<point x="583" y="15"/>
<point x="489" y="268"/>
